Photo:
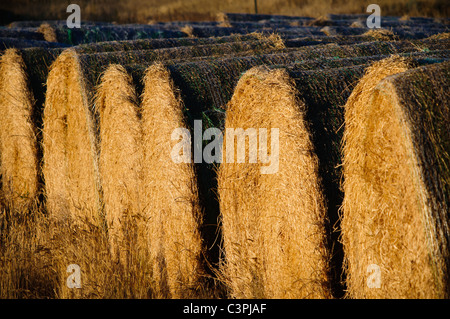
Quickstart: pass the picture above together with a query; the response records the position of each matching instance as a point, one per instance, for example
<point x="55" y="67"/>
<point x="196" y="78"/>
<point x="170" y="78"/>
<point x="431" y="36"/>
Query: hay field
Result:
<point x="248" y="156"/>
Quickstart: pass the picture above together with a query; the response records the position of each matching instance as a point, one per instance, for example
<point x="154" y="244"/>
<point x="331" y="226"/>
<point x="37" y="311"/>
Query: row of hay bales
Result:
<point x="98" y="146"/>
<point x="57" y="31"/>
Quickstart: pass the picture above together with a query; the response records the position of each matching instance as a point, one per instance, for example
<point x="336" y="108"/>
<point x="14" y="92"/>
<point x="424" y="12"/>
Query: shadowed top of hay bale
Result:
<point x="146" y="44"/>
<point x="22" y="33"/>
<point x="256" y="17"/>
<point x="111" y="33"/>
<point x="93" y="64"/>
<point x="6" y="43"/>
<point x="210" y="84"/>
<point x="37" y="23"/>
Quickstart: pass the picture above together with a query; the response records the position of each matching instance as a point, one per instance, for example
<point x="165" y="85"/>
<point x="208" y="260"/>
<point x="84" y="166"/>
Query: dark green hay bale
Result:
<point x="18" y="43"/>
<point x="111" y="33"/>
<point x="37" y="23"/>
<point x="21" y="33"/>
<point x="237" y="17"/>
<point x="211" y="83"/>
<point x="147" y="44"/>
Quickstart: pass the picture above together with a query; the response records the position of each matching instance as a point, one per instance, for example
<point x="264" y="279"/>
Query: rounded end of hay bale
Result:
<point x="381" y="34"/>
<point x="272" y="207"/>
<point x="171" y="200"/>
<point x="223" y="20"/>
<point x="380" y="171"/>
<point x="69" y="143"/>
<point x="120" y="154"/>
<point x="188" y="30"/>
<point x="48" y="32"/>
<point x="18" y="145"/>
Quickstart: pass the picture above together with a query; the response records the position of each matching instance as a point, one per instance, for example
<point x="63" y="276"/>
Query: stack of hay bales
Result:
<point x="97" y="130"/>
<point x="258" y="211"/>
<point x="70" y="87"/>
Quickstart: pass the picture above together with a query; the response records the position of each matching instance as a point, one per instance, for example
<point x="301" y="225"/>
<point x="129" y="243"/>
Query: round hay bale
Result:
<point x="120" y="158"/>
<point x="48" y="32"/>
<point x="171" y="201"/>
<point x="18" y="145"/>
<point x="396" y="163"/>
<point x="320" y="95"/>
<point x="273" y="223"/>
<point x="70" y="145"/>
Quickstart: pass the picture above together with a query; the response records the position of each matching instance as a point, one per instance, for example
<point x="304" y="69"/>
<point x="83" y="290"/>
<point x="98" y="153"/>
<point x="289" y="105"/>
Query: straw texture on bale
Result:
<point x="273" y="224"/>
<point x="396" y="163"/>
<point x="120" y="153"/>
<point x="321" y="95"/>
<point x="70" y="91"/>
<point x="70" y="144"/>
<point x="18" y="145"/>
<point x="48" y="32"/>
<point x="171" y="200"/>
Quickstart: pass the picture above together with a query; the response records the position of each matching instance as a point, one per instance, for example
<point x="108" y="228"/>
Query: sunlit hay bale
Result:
<point x="18" y="145"/>
<point x="321" y="94"/>
<point x="171" y="201"/>
<point x="440" y="36"/>
<point x="400" y="173"/>
<point x="273" y="223"/>
<point x="120" y="152"/>
<point x="188" y="30"/>
<point x="70" y="144"/>
<point x="48" y="32"/>
<point x="381" y="34"/>
<point x="223" y="20"/>
<point x="357" y="24"/>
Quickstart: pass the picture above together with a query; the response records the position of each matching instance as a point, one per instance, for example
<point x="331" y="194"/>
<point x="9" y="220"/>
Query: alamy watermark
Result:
<point x="73" y="20"/>
<point x="374" y="278"/>
<point x="236" y="141"/>
<point x="374" y="20"/>
<point x="74" y="279"/>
